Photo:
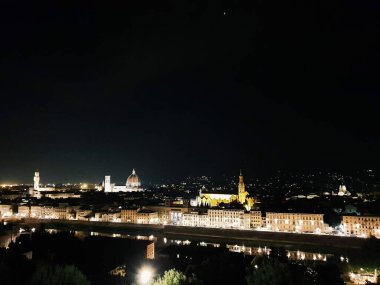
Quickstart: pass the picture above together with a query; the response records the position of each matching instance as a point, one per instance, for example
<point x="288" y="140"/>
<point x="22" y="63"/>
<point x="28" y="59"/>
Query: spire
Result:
<point x="133" y="172"/>
<point x="241" y="189"/>
<point x="241" y="177"/>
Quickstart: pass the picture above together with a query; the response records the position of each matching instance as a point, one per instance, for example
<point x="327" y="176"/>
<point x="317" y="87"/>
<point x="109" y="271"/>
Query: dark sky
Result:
<point x="176" y="88"/>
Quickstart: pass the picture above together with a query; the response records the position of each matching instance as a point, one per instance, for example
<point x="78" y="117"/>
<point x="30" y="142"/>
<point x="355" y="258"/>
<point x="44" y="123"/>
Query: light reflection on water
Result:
<point x="250" y="250"/>
<point x="295" y="255"/>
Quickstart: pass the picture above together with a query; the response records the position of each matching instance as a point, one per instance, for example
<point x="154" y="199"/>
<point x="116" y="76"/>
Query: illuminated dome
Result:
<point x="133" y="180"/>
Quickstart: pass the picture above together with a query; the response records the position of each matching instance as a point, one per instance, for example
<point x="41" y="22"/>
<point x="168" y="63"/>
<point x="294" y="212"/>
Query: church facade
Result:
<point x="215" y="199"/>
<point x="133" y="184"/>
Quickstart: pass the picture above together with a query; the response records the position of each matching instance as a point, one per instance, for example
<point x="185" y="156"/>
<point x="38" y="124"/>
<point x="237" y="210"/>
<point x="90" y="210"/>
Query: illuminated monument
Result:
<point x="107" y="184"/>
<point x="242" y="194"/>
<point x="133" y="184"/>
<point x="215" y="199"/>
<point x="36" y="180"/>
<point x="133" y="181"/>
<point x="37" y="186"/>
<point x="343" y="191"/>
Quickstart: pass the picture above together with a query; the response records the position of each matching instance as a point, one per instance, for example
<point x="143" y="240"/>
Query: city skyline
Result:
<point x="187" y="89"/>
<point x="339" y="178"/>
<point x="189" y="142"/>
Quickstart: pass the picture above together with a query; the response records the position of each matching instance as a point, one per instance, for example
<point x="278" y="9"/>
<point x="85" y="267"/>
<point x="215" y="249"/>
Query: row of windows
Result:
<point x="284" y="222"/>
<point x="359" y="232"/>
<point x="364" y="227"/>
<point x="294" y="217"/>
<point x="360" y="219"/>
<point x="363" y="224"/>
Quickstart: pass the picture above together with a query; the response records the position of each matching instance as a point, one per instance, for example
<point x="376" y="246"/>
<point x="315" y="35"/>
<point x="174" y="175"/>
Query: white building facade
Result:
<point x="361" y="226"/>
<point x="133" y="184"/>
<point x="295" y="222"/>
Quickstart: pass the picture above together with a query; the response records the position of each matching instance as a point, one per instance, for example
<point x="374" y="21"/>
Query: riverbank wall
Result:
<point x="280" y="238"/>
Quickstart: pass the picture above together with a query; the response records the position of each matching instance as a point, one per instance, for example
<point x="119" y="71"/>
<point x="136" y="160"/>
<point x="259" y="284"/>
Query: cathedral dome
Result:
<point x="133" y="180"/>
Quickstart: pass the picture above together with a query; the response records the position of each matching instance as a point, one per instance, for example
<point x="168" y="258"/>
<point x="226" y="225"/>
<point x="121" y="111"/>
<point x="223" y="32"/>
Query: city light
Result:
<point x="145" y="275"/>
<point x="190" y="143"/>
<point x="84" y="186"/>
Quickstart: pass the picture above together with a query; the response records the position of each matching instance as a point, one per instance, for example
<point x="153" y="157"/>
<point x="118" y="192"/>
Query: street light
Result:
<point x="145" y="275"/>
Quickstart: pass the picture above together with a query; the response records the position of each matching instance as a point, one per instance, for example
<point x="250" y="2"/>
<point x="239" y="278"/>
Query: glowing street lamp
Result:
<point x="145" y="275"/>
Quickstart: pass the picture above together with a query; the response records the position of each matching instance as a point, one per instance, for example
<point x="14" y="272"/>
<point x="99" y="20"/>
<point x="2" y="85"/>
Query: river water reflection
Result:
<point x="245" y="248"/>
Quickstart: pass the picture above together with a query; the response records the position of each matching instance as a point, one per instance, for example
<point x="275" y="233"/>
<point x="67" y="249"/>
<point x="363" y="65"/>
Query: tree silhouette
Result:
<point x="58" y="275"/>
<point x="171" y="277"/>
<point x="226" y="268"/>
<point x="270" y="273"/>
<point x="328" y="274"/>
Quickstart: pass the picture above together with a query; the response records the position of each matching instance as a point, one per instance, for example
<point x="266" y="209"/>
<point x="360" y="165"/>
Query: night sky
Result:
<point x="176" y="88"/>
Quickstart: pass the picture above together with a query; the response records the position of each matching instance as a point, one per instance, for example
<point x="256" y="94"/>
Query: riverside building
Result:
<point x="363" y="226"/>
<point x="295" y="222"/>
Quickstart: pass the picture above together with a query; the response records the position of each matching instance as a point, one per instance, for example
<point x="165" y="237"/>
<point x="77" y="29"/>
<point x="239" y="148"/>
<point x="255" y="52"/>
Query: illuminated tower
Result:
<point x="36" y="180"/>
<point x="242" y="194"/>
<point x="107" y="184"/>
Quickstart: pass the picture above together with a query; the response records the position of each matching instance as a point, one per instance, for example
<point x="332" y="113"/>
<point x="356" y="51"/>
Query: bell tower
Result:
<point x="241" y="189"/>
<point x="107" y="184"/>
<point x="36" y="180"/>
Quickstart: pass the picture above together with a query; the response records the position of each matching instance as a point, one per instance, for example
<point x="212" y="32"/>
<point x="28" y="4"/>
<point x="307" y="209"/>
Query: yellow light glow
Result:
<point x="84" y="186"/>
<point x="145" y="275"/>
